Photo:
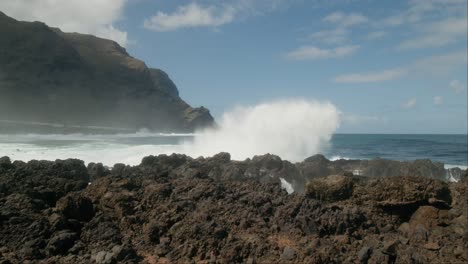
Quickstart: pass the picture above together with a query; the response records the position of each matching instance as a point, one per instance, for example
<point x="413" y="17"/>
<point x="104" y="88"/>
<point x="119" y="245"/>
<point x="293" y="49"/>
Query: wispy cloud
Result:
<point x="345" y="20"/>
<point x="411" y="103"/>
<point x="376" y="35"/>
<point x="438" y="100"/>
<point x="334" y="36"/>
<point x="370" y="77"/>
<point x="440" y="64"/>
<point x="312" y="52"/>
<point x="438" y="34"/>
<point x="211" y="13"/>
<point x="189" y="16"/>
<point x="457" y="86"/>
<point x="433" y="65"/>
<point x="419" y="10"/>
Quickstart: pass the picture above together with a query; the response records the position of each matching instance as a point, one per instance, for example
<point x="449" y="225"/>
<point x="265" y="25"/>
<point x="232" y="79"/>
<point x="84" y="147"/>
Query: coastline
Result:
<point x="176" y="209"/>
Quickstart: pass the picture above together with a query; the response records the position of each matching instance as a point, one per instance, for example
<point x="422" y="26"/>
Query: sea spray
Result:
<point x="291" y="129"/>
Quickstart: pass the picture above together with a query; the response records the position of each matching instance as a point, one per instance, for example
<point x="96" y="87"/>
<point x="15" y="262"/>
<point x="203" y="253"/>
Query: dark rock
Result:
<point x="176" y="209"/>
<point x="61" y="242"/>
<point x="390" y="248"/>
<point x="69" y="71"/>
<point x="5" y="163"/>
<point x="426" y="216"/>
<point x="288" y="254"/>
<point x="432" y="246"/>
<point x="331" y="188"/>
<point x="364" y="254"/>
<point x="76" y="206"/>
<point x="97" y="170"/>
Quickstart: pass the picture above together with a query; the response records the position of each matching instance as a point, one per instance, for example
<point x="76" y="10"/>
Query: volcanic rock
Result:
<point x="176" y="209"/>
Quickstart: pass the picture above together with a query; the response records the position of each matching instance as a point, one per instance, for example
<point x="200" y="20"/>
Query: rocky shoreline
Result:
<point x="176" y="209"/>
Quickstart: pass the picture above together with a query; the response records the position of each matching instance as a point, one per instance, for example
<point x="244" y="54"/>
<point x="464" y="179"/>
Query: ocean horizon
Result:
<point x="130" y="148"/>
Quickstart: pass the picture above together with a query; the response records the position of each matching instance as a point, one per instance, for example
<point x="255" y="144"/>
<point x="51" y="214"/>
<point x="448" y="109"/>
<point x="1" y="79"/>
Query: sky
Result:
<point x="389" y="66"/>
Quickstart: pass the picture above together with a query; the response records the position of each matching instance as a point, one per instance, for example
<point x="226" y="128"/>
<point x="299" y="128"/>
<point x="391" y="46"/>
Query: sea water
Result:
<point x="452" y="150"/>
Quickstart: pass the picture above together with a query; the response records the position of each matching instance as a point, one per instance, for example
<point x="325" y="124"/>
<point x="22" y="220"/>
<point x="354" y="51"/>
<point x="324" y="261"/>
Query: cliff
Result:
<point x="49" y="76"/>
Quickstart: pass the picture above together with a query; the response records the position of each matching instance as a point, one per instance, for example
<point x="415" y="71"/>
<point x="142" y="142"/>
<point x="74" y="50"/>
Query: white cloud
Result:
<point x="438" y="34"/>
<point x="440" y="64"/>
<point x="376" y="35"/>
<point x="189" y="16"/>
<point x="95" y="17"/>
<point x="369" y="77"/>
<point x="345" y="20"/>
<point x="411" y="103"/>
<point x="333" y="36"/>
<point x="431" y="66"/>
<point x="419" y="10"/>
<point x="457" y="86"/>
<point x="438" y="100"/>
<point x="342" y="23"/>
<point x="312" y="52"/>
<point x="212" y="13"/>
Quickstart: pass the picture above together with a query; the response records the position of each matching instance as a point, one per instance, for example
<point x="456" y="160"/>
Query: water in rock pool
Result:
<point x="452" y="150"/>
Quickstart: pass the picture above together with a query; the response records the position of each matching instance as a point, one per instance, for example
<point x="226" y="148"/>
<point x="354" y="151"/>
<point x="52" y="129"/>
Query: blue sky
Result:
<point x="389" y="66"/>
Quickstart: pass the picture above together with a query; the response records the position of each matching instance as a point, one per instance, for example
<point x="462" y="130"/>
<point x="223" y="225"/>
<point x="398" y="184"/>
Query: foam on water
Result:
<point x="449" y="166"/>
<point x="337" y="157"/>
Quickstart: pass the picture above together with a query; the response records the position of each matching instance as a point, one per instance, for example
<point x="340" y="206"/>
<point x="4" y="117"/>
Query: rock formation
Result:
<point x="175" y="209"/>
<point x="71" y="80"/>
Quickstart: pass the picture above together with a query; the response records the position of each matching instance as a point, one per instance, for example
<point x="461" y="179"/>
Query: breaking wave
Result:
<point x="291" y="129"/>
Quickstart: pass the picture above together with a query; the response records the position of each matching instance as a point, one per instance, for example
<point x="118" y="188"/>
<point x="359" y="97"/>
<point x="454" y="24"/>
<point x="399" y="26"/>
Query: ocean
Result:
<point x="452" y="150"/>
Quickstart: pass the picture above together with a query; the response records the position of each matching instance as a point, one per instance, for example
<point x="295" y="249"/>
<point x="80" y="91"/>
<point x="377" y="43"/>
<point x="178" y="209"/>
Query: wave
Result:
<point x="28" y="137"/>
<point x="338" y="157"/>
<point x="450" y="166"/>
<point x="291" y="129"/>
<point x="106" y="153"/>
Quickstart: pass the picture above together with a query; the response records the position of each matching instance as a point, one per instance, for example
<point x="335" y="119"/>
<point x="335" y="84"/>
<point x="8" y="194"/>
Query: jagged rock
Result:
<point x="97" y="170"/>
<point x="5" y="163"/>
<point x="61" y="242"/>
<point x="364" y="254"/>
<point x="288" y="254"/>
<point x="176" y="209"/>
<point x="426" y="216"/>
<point x="331" y="188"/>
<point x="76" y="206"/>
<point x="432" y="246"/>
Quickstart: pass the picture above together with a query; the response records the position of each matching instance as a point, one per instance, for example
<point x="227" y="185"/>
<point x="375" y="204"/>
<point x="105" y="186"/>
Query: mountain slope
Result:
<point x="73" y="79"/>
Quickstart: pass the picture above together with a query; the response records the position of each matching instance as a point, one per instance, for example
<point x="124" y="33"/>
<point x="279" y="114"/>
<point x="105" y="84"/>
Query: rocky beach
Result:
<point x="340" y="132"/>
<point x="176" y="209"/>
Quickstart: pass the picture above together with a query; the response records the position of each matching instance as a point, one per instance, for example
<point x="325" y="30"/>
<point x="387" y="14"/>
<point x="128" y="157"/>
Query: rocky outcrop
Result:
<point x="319" y="166"/>
<point x="71" y="80"/>
<point x="175" y="209"/>
<point x="330" y="188"/>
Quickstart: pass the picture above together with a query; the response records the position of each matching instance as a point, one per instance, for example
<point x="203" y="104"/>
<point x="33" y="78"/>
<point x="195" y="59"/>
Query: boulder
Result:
<point x="76" y="206"/>
<point x="331" y="188"/>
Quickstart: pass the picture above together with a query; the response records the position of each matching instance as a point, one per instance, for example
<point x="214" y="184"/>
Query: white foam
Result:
<point x="286" y="185"/>
<point x="337" y="157"/>
<point x="449" y="166"/>
<point x="108" y="154"/>
<point x="291" y="129"/>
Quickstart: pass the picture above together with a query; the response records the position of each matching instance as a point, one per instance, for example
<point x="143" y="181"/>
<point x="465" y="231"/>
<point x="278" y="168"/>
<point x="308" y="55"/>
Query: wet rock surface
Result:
<point x="176" y="209"/>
